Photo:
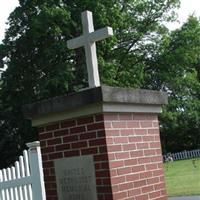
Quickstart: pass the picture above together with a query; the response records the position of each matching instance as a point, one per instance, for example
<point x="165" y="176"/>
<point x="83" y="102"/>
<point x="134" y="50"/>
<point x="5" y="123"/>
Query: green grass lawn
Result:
<point x="183" y="177"/>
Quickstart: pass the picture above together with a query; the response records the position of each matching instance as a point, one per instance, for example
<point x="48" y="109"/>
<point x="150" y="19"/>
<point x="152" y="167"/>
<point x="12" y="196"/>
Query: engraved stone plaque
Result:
<point x="75" y="178"/>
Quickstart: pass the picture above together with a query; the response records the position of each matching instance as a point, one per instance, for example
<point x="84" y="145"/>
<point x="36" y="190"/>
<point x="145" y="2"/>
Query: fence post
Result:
<point x="36" y="169"/>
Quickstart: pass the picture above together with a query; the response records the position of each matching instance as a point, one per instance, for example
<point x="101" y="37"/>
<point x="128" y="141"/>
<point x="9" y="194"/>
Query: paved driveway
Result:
<point x="185" y="198"/>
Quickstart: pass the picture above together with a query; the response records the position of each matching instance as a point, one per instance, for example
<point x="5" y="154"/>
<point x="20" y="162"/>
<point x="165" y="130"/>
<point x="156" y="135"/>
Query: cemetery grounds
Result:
<point x="183" y="177"/>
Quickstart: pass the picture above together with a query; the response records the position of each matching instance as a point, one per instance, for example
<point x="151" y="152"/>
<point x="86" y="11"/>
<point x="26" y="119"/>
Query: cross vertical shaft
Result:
<point x="90" y="51"/>
<point x="87" y="40"/>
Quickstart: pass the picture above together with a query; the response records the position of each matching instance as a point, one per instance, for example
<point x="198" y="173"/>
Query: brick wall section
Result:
<point x="126" y="150"/>
<point x="135" y="157"/>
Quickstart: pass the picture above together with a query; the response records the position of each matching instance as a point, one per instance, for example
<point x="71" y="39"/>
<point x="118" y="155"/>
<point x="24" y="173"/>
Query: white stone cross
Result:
<point x="88" y="40"/>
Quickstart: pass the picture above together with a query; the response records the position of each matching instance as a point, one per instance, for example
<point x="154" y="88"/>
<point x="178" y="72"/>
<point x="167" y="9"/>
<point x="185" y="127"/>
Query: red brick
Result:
<point x="97" y="142"/>
<point x="71" y="153"/>
<point x="113" y="173"/>
<point x="142" y="145"/>
<point x="69" y="139"/>
<point x="107" y="197"/>
<point x="112" y="133"/>
<point x="104" y="189"/>
<point x="86" y="136"/>
<point x="107" y="125"/>
<point x="157" y="138"/>
<point x="95" y="126"/>
<point x="149" y="152"/>
<point x="52" y="127"/>
<point x="153" y="131"/>
<point x="43" y="143"/>
<point x="45" y="136"/>
<point x="140" y="183"/>
<point x="111" y="156"/>
<point x="140" y="132"/>
<point x="159" y="186"/>
<point x="145" y="175"/>
<point x="131" y="162"/>
<point x="111" y="117"/>
<point x="152" y="180"/>
<point x="163" y="192"/>
<point x="132" y="177"/>
<point x="127" y="132"/>
<point x="115" y="188"/>
<point x="79" y="129"/>
<point x="135" y="139"/>
<point x="146" y="124"/>
<point x="62" y="147"/>
<point x="116" y="164"/>
<point x="105" y="165"/>
<point x="133" y="125"/>
<point x="99" y="118"/>
<point x="151" y="166"/>
<point x="142" y="197"/>
<point x="155" y="145"/>
<point x="45" y="157"/>
<point x="61" y="133"/>
<point x="117" y="180"/>
<point x="123" y="171"/>
<point x="147" y="189"/>
<point x="158" y="172"/>
<point x="128" y="147"/>
<point x="85" y="120"/>
<point x="156" y="124"/>
<point x="114" y="148"/>
<point x="125" y="186"/>
<point x="101" y="134"/>
<point x="157" y="159"/>
<point x="103" y="149"/>
<point x="79" y="145"/>
<point x="144" y="160"/>
<point x="134" y="192"/>
<point x="154" y="195"/>
<point x="122" y="155"/>
<point x="101" y="157"/>
<point x="162" y="179"/>
<point x="137" y="153"/>
<point x="120" y="195"/>
<point x="54" y="141"/>
<point x="89" y="151"/>
<point x="47" y="150"/>
<point x="138" y="168"/>
<point x="53" y="156"/>
<point x="103" y="173"/>
<point x="109" y="141"/>
<point x="120" y="140"/>
<point x="68" y="123"/>
<point x="119" y="124"/>
<point x="148" y="138"/>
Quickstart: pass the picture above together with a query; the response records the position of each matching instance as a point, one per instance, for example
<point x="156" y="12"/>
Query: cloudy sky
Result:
<point x="187" y="7"/>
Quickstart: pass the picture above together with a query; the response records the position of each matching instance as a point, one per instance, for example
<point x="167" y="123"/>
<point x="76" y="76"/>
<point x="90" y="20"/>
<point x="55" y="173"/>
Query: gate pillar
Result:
<point x="117" y="127"/>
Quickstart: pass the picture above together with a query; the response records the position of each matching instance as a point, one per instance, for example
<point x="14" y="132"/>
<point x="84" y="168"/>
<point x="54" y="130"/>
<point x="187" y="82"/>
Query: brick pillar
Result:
<point x="118" y="127"/>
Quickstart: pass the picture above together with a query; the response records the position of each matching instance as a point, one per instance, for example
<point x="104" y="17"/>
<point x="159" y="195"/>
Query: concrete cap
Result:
<point x="103" y="94"/>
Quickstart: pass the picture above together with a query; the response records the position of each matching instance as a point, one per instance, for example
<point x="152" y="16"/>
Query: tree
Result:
<point x="175" y="69"/>
<point x="40" y="65"/>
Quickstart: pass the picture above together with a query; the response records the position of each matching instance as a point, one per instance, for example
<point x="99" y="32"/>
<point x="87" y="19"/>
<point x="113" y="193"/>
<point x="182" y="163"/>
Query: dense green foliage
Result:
<point x="142" y="54"/>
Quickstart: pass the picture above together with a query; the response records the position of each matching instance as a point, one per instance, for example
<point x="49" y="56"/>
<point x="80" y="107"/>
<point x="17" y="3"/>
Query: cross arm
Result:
<point x="101" y="34"/>
<point x="76" y="42"/>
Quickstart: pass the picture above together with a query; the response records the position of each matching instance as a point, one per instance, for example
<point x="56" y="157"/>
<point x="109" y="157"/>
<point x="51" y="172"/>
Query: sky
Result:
<point x="187" y="7"/>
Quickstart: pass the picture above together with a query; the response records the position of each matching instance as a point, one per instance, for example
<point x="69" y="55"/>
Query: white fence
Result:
<point x="182" y="155"/>
<point x="24" y="181"/>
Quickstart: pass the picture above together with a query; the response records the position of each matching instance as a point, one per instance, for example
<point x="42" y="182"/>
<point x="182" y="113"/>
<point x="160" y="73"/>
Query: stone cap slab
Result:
<point x="102" y="94"/>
